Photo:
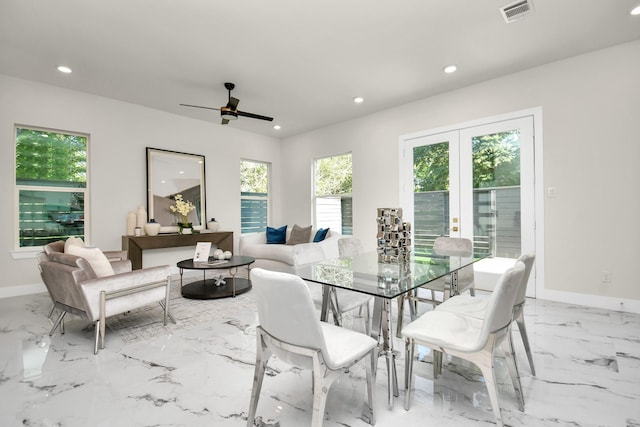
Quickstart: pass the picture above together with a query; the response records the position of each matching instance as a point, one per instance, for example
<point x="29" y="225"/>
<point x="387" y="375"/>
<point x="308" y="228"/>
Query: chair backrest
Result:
<point x="500" y="306"/>
<point x="61" y="274"/>
<point x="453" y="246"/>
<point x="287" y="312"/>
<point x="57" y="246"/>
<point x="528" y="260"/>
<point x="349" y="246"/>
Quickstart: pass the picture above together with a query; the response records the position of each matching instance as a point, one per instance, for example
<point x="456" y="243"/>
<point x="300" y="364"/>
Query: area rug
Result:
<point x="146" y="323"/>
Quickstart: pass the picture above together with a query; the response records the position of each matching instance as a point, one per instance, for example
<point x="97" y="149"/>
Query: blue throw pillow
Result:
<point x="320" y="235"/>
<point x="277" y="235"/>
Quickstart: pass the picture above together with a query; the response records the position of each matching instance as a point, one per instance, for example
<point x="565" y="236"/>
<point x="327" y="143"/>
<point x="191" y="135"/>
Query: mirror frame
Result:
<point x="174" y="158"/>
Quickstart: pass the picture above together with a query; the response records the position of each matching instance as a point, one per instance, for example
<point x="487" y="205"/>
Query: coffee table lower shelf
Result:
<point x="207" y="289"/>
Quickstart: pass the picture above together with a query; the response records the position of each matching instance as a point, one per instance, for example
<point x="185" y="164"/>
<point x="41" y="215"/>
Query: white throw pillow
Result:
<point x="96" y="259"/>
<point x="73" y="241"/>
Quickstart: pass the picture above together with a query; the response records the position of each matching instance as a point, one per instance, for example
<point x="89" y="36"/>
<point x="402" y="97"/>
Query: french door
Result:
<point x="474" y="182"/>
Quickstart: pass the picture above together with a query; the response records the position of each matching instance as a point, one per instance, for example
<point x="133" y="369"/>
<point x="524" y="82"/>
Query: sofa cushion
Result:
<point x="321" y="234"/>
<point x="277" y="235"/>
<point x="299" y="235"/>
<point x="94" y="256"/>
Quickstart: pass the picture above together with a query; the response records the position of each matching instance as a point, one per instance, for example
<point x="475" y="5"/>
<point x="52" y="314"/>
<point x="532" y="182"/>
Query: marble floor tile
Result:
<point x="199" y="372"/>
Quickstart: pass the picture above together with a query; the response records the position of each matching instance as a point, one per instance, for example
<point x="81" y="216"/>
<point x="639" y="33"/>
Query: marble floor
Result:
<point x="199" y="373"/>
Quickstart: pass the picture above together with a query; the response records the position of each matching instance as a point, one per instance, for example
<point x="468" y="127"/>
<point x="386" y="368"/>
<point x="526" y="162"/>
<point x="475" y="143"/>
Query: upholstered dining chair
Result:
<point x="442" y="245"/>
<point x="307" y="343"/>
<point x="477" y="307"/>
<point x="340" y="301"/>
<point x="470" y="338"/>
<point x="75" y="286"/>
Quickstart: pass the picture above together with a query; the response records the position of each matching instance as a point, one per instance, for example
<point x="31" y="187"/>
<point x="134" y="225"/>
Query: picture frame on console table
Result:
<point x="170" y="173"/>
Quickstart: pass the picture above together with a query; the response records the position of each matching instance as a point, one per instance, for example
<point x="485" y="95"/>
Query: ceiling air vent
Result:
<point x="517" y="10"/>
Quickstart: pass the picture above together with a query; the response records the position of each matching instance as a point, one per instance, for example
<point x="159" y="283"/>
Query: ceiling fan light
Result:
<point x="229" y="115"/>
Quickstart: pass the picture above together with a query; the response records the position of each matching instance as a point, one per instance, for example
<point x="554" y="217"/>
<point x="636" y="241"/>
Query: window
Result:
<point x="51" y="185"/>
<point x="332" y="193"/>
<point x="254" y="196"/>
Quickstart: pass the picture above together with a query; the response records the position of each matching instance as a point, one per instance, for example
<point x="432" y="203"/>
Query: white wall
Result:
<point x="591" y="111"/>
<point x="119" y="133"/>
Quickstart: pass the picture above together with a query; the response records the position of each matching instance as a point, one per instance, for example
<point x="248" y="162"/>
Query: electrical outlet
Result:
<point x="606" y="276"/>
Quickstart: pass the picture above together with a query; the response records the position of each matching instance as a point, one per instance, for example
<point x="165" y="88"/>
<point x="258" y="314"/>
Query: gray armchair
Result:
<point x="74" y="287"/>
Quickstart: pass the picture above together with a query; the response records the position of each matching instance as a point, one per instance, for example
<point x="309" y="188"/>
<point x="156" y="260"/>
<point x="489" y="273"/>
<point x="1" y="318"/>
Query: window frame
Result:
<point x="267" y="198"/>
<point x="338" y="196"/>
<point x="30" y="251"/>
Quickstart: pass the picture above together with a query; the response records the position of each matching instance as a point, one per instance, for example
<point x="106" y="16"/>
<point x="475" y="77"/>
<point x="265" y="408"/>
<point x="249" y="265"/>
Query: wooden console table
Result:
<point x="134" y="245"/>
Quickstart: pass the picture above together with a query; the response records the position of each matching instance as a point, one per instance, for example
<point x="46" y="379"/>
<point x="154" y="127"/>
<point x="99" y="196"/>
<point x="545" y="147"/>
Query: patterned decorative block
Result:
<point x="394" y="236"/>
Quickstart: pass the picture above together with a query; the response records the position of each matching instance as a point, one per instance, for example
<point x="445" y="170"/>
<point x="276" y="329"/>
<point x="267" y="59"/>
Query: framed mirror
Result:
<point x="170" y="173"/>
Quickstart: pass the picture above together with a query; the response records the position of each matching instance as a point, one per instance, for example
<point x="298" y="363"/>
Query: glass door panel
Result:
<point x="497" y="194"/>
<point x="475" y="182"/>
<point x="434" y="162"/>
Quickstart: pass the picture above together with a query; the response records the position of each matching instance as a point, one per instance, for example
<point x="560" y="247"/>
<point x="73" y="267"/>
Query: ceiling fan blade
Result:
<point x="254" y="116"/>
<point x="199" y="106"/>
<point x="225" y="121"/>
<point x="233" y="103"/>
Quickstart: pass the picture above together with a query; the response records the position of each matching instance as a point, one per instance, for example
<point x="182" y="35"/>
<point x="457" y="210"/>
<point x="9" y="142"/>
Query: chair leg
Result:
<point x="472" y="291"/>
<point x="320" y="392"/>
<point x="166" y="303"/>
<point x="262" y="356"/>
<point x="369" y="412"/>
<point x="367" y="319"/>
<point x="168" y="314"/>
<point x="335" y="307"/>
<point x="437" y="363"/>
<point x="408" y="372"/>
<point x="519" y="318"/>
<point x="507" y="347"/>
<point x="59" y="321"/>
<point x="486" y="366"/>
<point x="97" y="340"/>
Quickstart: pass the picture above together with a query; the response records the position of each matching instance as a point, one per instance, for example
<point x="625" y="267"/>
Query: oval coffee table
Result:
<point x="218" y="287"/>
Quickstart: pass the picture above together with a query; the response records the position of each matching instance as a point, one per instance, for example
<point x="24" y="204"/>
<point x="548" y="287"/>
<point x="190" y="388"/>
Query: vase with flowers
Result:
<point x="182" y="208"/>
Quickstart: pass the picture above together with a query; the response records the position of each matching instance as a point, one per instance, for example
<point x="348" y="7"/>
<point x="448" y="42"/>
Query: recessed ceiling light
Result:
<point x="635" y="10"/>
<point x="358" y="100"/>
<point x="450" y="69"/>
<point x="64" y="69"/>
<point x="276" y="127"/>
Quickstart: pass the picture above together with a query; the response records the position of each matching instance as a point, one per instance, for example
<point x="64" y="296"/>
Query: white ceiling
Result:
<point x="301" y="62"/>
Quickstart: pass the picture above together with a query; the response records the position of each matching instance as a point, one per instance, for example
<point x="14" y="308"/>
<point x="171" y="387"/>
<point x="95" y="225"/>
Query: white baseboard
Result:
<point x="595" y="301"/>
<point x="16" y="291"/>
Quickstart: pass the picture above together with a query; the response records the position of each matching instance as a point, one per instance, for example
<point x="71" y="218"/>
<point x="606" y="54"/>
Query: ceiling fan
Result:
<point x="230" y="111"/>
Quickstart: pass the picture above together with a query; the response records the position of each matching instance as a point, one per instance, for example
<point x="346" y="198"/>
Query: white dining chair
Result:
<point x="290" y="329"/>
<point x="477" y="307"/>
<point x="470" y="338"/>
<point x="340" y="301"/>
<point x="443" y="245"/>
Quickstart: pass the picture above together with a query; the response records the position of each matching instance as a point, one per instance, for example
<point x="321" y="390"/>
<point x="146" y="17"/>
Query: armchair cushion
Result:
<point x="97" y="260"/>
<point x="121" y="282"/>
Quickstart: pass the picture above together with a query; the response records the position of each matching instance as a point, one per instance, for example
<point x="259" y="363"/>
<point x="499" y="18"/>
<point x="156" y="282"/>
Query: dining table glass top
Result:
<point x="363" y="273"/>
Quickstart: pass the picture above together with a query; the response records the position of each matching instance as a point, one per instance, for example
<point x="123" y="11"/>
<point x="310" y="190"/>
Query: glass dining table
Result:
<point x="363" y="273"/>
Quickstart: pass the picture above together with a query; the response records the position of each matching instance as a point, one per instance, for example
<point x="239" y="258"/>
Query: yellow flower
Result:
<point x="182" y="207"/>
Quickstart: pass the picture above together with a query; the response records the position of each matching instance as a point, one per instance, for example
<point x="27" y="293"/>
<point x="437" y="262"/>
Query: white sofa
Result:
<point x="283" y="257"/>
